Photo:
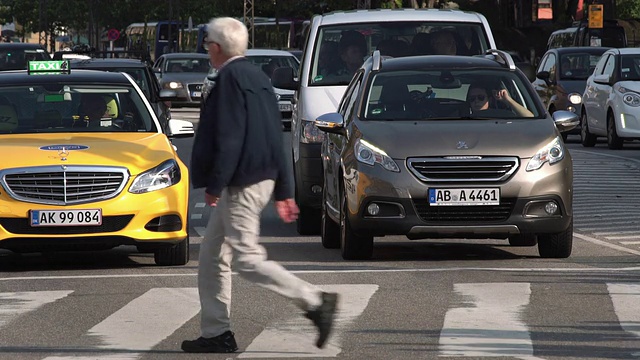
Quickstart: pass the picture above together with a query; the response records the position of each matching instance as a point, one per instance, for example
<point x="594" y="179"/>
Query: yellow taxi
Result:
<point x="86" y="165"/>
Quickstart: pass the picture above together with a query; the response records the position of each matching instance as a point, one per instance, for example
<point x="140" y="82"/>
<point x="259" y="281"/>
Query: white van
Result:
<point x="331" y="44"/>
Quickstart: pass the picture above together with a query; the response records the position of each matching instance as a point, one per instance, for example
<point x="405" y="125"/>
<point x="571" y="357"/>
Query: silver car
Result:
<point x="445" y="147"/>
<point x="183" y="73"/>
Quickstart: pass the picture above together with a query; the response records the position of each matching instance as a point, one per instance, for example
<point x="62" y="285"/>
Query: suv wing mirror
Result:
<point x="283" y="78"/>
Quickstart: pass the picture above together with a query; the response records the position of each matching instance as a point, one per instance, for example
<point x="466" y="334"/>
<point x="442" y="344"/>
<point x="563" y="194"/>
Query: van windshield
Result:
<point x="341" y="49"/>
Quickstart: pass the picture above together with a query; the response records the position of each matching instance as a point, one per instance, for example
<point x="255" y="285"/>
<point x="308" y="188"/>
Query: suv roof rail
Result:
<point x="502" y="57"/>
<point x="377" y="60"/>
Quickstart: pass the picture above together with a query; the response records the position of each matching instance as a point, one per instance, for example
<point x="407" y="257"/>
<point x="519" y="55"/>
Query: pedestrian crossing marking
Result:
<point x="295" y="337"/>
<point x="626" y="302"/>
<point x="489" y="323"/>
<point x="15" y="304"/>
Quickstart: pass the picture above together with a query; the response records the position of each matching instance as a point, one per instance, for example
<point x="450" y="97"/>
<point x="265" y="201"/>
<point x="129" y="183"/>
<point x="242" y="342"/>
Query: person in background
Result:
<point x="239" y="160"/>
<point x="443" y="43"/>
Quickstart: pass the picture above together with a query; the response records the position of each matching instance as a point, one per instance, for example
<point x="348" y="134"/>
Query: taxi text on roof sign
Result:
<point x="51" y="67"/>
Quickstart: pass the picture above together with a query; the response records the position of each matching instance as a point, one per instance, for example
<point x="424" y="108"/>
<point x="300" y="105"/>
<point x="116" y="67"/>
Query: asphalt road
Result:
<point x="415" y="299"/>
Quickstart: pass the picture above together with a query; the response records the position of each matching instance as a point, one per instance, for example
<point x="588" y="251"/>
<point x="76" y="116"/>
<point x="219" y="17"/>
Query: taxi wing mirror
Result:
<point x="180" y="129"/>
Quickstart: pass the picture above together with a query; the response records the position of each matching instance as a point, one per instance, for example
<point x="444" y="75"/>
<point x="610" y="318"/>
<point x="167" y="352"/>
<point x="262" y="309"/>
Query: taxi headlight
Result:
<point x="575" y="98"/>
<point x="370" y="155"/>
<point x="551" y="153"/>
<point x="160" y="177"/>
<point x="173" y="85"/>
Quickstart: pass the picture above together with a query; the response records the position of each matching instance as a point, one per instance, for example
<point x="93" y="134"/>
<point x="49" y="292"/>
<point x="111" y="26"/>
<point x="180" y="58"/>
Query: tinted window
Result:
<point x="16" y="59"/>
<point x="268" y="63"/>
<point x="341" y="49"/>
<point x="199" y="65"/>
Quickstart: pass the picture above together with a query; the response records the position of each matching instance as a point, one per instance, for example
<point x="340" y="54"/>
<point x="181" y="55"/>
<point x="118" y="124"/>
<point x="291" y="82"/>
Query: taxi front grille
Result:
<point x="23" y="226"/>
<point x="64" y="185"/>
<point x="463" y="168"/>
<point x="458" y="214"/>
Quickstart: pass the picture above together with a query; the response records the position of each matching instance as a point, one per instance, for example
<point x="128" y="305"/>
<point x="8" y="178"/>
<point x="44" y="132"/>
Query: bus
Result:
<point x="153" y="37"/>
<point x="268" y="33"/>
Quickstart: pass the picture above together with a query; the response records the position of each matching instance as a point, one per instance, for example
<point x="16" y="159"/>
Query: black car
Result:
<point x="562" y="76"/>
<point x="14" y="56"/>
<point x="143" y="76"/>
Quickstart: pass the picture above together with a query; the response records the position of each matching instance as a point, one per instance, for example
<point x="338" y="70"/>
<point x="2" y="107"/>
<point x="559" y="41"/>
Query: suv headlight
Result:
<point x="370" y="155"/>
<point x="160" y="177"/>
<point x="173" y="85"/>
<point x="629" y="97"/>
<point x="551" y="153"/>
<point x="310" y="133"/>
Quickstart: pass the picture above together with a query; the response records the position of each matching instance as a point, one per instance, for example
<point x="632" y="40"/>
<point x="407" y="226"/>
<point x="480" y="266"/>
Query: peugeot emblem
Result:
<point x="462" y="145"/>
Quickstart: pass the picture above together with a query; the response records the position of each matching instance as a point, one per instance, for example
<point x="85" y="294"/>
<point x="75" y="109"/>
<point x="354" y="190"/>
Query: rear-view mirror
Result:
<point x="284" y="78"/>
<point x="602" y="79"/>
<point x="180" y="129"/>
<point x="565" y="120"/>
<point x="167" y="95"/>
<point x="331" y="123"/>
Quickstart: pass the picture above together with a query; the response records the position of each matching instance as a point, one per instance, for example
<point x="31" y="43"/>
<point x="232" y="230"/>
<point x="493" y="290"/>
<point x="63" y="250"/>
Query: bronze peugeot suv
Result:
<point x="445" y="147"/>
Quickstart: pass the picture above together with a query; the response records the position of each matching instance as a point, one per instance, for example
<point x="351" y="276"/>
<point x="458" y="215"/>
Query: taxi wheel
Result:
<point x="523" y="240"/>
<point x="173" y="255"/>
<point x="613" y="140"/>
<point x="330" y="231"/>
<point x="587" y="138"/>
<point x="558" y="245"/>
<point x="353" y="247"/>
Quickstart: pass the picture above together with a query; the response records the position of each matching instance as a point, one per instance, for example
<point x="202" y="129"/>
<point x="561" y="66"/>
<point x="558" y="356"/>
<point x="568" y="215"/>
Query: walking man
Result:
<point x="238" y="157"/>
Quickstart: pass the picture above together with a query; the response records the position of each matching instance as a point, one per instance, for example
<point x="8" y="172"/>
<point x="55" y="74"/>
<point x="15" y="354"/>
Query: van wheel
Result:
<point x="523" y="240"/>
<point x="613" y="140"/>
<point x="586" y="138"/>
<point x="354" y="247"/>
<point x="177" y="254"/>
<point x="330" y="231"/>
<point x="556" y="245"/>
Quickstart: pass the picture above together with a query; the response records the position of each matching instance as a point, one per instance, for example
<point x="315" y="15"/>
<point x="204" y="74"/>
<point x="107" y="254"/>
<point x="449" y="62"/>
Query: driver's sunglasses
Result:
<point x="479" y="97"/>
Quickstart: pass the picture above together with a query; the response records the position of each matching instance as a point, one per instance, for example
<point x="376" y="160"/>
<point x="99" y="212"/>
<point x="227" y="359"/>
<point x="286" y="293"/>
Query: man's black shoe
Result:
<point x="225" y="343"/>
<point x="322" y="317"/>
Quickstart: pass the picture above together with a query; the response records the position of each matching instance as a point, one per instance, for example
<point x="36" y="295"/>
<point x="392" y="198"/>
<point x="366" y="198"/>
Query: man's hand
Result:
<point x="287" y="210"/>
<point x="211" y="200"/>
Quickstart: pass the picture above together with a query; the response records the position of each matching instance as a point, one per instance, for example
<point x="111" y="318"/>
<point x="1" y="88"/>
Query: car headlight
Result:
<point x="173" y="85"/>
<point x="575" y="98"/>
<point x="370" y="155"/>
<point x="551" y="153"/>
<point x="629" y="97"/>
<point x="310" y="133"/>
<point x="160" y="177"/>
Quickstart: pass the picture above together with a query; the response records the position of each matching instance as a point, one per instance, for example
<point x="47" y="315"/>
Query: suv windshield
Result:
<point x="443" y="94"/>
<point x="72" y="108"/>
<point x="343" y="48"/>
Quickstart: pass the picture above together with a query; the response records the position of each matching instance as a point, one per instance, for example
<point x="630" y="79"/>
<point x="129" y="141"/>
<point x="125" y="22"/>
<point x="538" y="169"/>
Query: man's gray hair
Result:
<point x="231" y="34"/>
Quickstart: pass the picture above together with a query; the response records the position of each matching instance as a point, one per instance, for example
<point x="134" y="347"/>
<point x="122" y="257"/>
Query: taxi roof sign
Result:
<point x="48" y="67"/>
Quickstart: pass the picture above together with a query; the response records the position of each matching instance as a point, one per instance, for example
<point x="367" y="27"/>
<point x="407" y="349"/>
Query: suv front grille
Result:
<point x="64" y="185"/>
<point x="464" y="213"/>
<point x="463" y="168"/>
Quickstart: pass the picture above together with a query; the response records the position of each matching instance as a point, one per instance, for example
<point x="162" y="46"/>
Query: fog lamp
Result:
<point x="551" y="207"/>
<point x="373" y="209"/>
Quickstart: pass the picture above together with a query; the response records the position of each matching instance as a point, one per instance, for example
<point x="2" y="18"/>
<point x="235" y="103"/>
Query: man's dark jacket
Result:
<point x="239" y="138"/>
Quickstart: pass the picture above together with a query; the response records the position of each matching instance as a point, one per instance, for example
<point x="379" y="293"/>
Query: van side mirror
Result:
<point x="283" y="78"/>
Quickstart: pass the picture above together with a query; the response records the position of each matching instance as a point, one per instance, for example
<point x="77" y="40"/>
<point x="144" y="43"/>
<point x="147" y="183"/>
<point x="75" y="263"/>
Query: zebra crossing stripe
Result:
<point x="295" y="337"/>
<point x="14" y="304"/>
<point x="489" y="322"/>
<point x="626" y="302"/>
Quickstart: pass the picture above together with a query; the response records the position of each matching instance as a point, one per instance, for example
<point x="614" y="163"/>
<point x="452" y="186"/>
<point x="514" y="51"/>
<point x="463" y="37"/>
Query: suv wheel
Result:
<point x="330" y="231"/>
<point x="523" y="240"/>
<point x="613" y="140"/>
<point x="354" y="247"/>
<point x="587" y="138"/>
<point x="556" y="245"/>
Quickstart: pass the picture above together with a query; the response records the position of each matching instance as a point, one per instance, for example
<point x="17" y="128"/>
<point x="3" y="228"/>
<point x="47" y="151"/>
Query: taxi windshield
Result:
<point x="72" y="108"/>
<point x="442" y="94"/>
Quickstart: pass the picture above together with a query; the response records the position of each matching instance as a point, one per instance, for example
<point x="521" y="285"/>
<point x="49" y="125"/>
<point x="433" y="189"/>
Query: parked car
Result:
<point x="14" y="56"/>
<point x="144" y="78"/>
<point x="422" y="147"/>
<point x="561" y="78"/>
<point x="325" y="74"/>
<point x="611" y="100"/>
<point x="94" y="171"/>
<point x="183" y="72"/>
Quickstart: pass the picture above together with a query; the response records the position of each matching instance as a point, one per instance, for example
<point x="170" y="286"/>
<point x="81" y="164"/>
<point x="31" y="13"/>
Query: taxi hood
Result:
<point x="136" y="151"/>
<point x="403" y="139"/>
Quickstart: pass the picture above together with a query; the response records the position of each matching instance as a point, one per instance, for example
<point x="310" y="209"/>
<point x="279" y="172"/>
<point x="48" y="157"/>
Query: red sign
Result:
<point x="113" y="34"/>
